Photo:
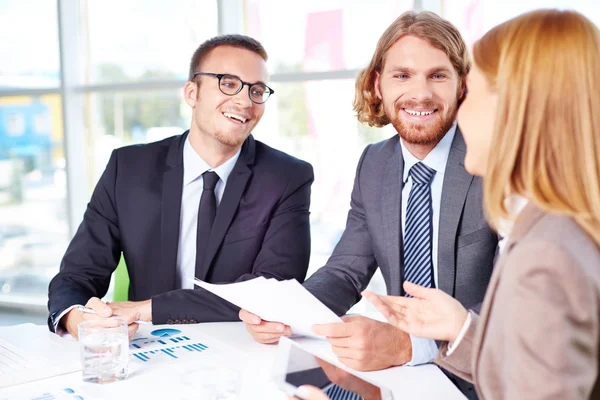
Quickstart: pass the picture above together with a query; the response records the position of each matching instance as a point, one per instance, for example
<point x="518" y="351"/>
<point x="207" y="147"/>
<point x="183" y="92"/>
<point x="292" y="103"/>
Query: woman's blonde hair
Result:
<point x="545" y="67"/>
<point x="425" y="25"/>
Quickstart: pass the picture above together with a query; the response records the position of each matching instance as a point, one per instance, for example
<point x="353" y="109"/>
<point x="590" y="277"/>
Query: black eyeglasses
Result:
<point x="232" y="85"/>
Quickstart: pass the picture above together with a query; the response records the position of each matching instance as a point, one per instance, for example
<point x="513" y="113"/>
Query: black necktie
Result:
<point x="206" y="216"/>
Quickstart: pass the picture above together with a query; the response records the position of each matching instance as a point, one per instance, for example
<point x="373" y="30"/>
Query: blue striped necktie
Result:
<point x="336" y="392"/>
<point x="418" y="267"/>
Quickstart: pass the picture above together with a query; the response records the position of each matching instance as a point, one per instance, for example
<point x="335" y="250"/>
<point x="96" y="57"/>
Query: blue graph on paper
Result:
<point x="165" y="345"/>
<point x="66" y="393"/>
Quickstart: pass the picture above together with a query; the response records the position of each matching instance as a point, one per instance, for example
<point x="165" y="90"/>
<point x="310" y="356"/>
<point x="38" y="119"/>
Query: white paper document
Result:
<point x="29" y="352"/>
<point x="287" y="302"/>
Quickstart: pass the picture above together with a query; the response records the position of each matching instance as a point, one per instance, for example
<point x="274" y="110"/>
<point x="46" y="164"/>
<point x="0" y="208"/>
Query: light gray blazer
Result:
<point x="373" y="234"/>
<point x="538" y="335"/>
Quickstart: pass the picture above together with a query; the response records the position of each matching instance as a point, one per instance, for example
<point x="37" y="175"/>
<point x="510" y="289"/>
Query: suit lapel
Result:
<point x="236" y="185"/>
<point x="454" y="193"/>
<point x="172" y="186"/>
<point x="391" y="203"/>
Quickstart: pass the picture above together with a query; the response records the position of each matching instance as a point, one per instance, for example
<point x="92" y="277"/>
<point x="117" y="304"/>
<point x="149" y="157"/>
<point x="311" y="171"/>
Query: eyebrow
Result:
<point x="252" y="83"/>
<point x="440" y="68"/>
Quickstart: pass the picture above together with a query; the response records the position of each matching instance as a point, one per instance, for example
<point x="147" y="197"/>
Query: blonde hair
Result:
<point x="425" y="25"/>
<point x="544" y="66"/>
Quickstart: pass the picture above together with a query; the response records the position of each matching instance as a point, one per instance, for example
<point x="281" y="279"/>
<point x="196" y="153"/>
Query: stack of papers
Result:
<point x="29" y="352"/>
<point x="287" y="302"/>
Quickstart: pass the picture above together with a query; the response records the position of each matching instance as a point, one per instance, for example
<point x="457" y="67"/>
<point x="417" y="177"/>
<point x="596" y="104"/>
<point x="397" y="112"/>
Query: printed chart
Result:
<point x="66" y="393"/>
<point x="165" y="345"/>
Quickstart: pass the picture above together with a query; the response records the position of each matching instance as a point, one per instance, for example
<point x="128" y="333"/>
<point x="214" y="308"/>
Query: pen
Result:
<point x="90" y="311"/>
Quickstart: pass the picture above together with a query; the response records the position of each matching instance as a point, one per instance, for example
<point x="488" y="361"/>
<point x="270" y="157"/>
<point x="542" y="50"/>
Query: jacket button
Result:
<point x="185" y="321"/>
<point x="169" y="321"/>
<point x="193" y="321"/>
<point x="177" y="321"/>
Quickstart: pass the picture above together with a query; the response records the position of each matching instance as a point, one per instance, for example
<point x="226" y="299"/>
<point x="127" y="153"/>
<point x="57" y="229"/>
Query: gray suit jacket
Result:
<point x="539" y="329"/>
<point x="373" y="234"/>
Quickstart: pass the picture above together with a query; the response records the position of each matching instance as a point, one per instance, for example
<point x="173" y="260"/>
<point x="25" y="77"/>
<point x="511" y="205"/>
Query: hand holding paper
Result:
<point x="287" y="302"/>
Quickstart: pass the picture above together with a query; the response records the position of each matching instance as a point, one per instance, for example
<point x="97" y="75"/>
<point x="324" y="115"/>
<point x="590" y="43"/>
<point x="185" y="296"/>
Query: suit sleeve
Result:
<point x="94" y="252"/>
<point x="460" y="362"/>
<point x="350" y="268"/>
<point x="284" y="254"/>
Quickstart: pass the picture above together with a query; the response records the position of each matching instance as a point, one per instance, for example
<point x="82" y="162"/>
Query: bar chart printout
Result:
<point x="66" y="393"/>
<point x="165" y="345"/>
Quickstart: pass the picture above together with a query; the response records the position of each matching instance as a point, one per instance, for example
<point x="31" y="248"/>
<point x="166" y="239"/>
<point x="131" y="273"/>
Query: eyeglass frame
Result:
<point x="220" y="76"/>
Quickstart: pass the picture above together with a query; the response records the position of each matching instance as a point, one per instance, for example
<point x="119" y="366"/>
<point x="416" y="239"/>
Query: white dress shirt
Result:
<point x="193" y="168"/>
<point x="193" y="183"/>
<point x="424" y="350"/>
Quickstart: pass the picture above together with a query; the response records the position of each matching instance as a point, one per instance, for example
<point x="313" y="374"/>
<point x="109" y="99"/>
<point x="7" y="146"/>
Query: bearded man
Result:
<point x="416" y="213"/>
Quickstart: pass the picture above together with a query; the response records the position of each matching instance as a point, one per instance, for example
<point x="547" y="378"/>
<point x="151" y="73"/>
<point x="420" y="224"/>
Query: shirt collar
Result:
<point x="194" y="165"/>
<point x="436" y="159"/>
<point x="515" y="204"/>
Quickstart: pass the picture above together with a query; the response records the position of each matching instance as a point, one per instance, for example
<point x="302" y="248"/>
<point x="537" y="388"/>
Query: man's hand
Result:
<point x="72" y="319"/>
<point x="144" y="308"/>
<point x="365" y="344"/>
<point x="264" y="331"/>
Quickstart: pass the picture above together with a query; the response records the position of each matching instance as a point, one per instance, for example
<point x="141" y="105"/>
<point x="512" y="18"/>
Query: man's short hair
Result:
<point x="239" y="41"/>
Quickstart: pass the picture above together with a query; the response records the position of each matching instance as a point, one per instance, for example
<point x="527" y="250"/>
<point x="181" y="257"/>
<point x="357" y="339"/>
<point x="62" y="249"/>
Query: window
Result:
<point x="320" y="35"/>
<point x="30" y="57"/>
<point x="141" y="41"/>
<point x="122" y="118"/>
<point x="33" y="214"/>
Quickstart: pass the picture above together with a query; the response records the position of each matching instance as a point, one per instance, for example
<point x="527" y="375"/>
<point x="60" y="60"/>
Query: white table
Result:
<point x="253" y="360"/>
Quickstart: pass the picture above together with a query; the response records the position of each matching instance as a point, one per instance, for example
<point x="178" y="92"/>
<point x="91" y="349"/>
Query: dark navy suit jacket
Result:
<point x="261" y="229"/>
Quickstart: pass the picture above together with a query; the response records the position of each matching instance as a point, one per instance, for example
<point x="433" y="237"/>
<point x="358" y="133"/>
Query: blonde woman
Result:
<point x="531" y="122"/>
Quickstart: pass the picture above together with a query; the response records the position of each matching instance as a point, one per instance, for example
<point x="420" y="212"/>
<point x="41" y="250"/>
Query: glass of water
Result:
<point x="104" y="347"/>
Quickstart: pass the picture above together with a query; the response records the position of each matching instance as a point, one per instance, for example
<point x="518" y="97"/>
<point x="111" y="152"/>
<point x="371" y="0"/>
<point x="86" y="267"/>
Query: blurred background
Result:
<point x="79" y="78"/>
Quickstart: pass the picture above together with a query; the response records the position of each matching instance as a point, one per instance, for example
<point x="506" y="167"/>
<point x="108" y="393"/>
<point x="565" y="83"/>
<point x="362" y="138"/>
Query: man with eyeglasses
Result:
<point x="212" y="203"/>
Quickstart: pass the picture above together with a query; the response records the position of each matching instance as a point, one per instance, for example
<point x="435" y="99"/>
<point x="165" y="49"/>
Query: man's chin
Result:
<point x="424" y="134"/>
<point x="420" y="135"/>
<point x="230" y="139"/>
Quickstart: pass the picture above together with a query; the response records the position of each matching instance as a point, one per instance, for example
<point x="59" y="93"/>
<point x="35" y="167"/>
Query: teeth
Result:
<point x="234" y="116"/>
<point x="418" y="113"/>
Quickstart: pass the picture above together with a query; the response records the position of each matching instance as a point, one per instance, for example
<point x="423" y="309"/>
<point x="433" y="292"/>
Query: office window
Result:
<point x="119" y="119"/>
<point x="475" y="17"/>
<point x="29" y="45"/>
<point x="320" y="35"/>
<point x="130" y="40"/>
<point x="33" y="215"/>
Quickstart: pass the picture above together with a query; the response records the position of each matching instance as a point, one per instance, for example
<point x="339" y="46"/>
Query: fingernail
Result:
<point x="256" y="320"/>
<point x="279" y="328"/>
<point x="288" y="331"/>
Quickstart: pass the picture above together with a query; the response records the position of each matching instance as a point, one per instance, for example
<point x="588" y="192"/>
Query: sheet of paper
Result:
<point x="29" y="352"/>
<point x="46" y="391"/>
<point x="280" y="301"/>
<point x="168" y="344"/>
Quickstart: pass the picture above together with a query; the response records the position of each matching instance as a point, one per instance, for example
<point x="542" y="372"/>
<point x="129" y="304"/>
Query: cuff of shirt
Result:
<point x="423" y="351"/>
<point x="461" y="335"/>
<point x="58" y="327"/>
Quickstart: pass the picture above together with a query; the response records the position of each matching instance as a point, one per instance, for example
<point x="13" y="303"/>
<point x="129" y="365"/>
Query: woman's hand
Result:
<point x="430" y="313"/>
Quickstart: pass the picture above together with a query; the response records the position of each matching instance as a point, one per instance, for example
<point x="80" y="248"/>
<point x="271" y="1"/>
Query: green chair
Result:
<point x="121" y="277"/>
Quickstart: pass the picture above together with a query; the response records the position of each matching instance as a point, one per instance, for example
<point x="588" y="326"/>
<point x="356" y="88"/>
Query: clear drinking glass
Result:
<point x="104" y="347"/>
